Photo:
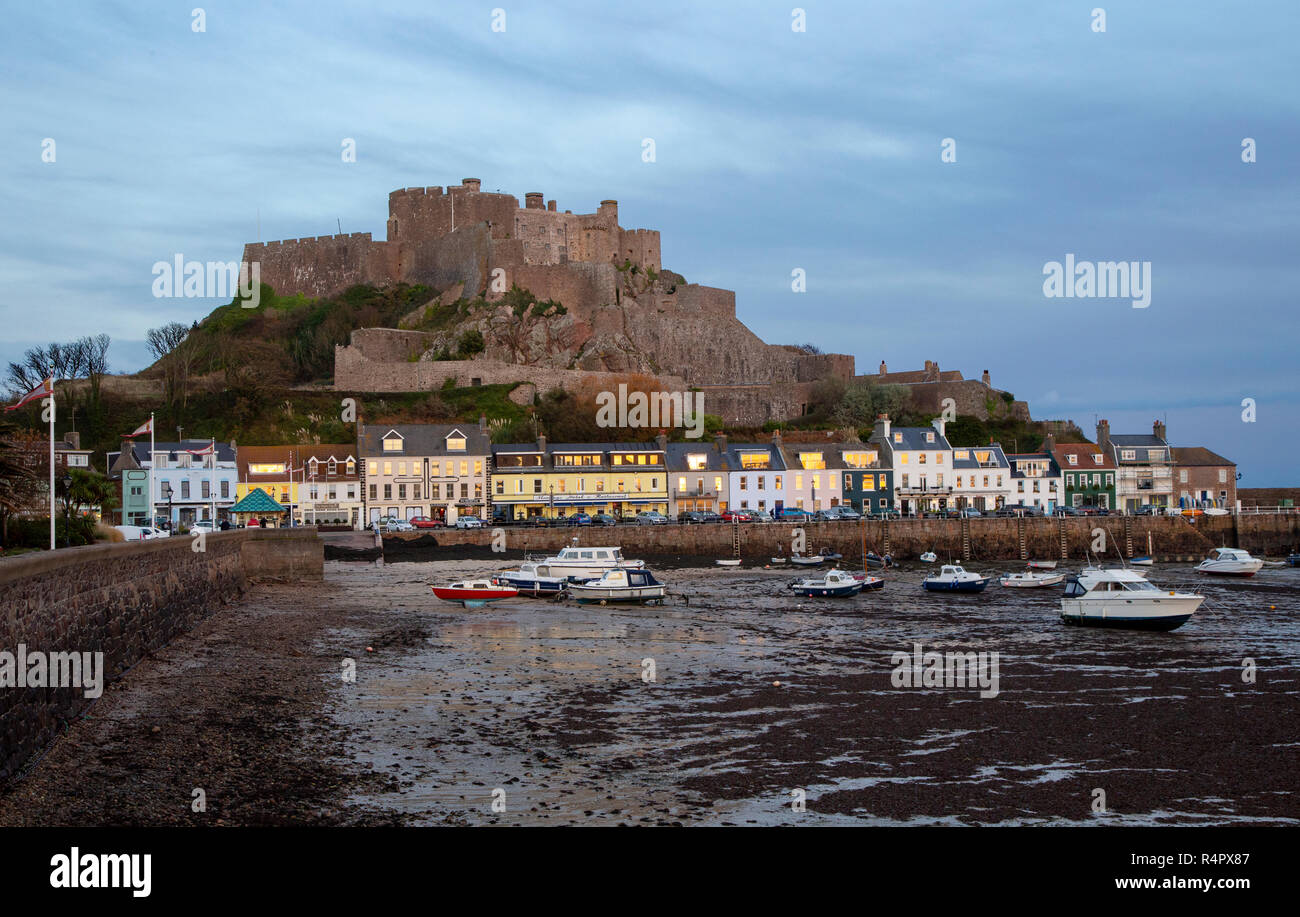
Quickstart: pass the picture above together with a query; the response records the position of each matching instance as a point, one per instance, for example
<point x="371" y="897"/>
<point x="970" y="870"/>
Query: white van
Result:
<point x="140" y="532"/>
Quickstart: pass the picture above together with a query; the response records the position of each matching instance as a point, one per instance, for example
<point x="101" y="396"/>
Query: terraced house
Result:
<point x="982" y="478"/>
<point x="755" y="475"/>
<point x="557" y="480"/>
<point x="1144" y="466"/>
<point x="922" y="461"/>
<point x="1087" y="475"/>
<point x="439" y="471"/>
<point x="812" y="479"/>
<point x="1036" y="481"/>
<point x="867" y="483"/>
<point x="696" y="477"/>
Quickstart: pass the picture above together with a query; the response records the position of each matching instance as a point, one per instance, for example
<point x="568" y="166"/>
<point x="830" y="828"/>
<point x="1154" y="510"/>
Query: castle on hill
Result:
<point x="623" y="313"/>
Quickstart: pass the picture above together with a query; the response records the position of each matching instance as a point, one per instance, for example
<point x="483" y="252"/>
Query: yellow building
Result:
<point x="558" y="480"/>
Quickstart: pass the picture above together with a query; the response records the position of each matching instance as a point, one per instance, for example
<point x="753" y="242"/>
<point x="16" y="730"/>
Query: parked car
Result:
<point x="651" y="517"/>
<point x="603" y="519"/>
<point x="426" y="522"/>
<point x="469" y="522"/>
<point x="399" y="525"/>
<point x="826" y="515"/>
<point x="736" y="515"/>
<point x="690" y="518"/>
<point x="758" y="515"/>
<point x="793" y="514"/>
<point x="140" y="532"/>
<point x="203" y="525"/>
<point x="1018" y="509"/>
<point x="580" y="519"/>
<point x="971" y="512"/>
<point x="710" y="516"/>
<point x="849" y="513"/>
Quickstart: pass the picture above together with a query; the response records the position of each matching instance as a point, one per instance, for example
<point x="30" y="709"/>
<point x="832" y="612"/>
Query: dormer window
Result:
<point x="929" y="437"/>
<point x="455" y="441"/>
<point x="898" y="437"/>
<point x="1073" y="459"/>
<point x="1096" y="458"/>
<point x="393" y="441"/>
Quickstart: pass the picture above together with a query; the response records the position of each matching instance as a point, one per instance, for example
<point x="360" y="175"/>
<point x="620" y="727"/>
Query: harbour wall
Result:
<point x="125" y="601"/>
<point x="964" y="540"/>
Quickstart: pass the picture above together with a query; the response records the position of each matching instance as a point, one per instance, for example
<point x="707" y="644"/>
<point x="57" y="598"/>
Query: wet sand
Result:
<point x="545" y="703"/>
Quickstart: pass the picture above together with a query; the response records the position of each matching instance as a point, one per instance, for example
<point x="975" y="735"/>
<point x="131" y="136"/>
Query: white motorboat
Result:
<point x="728" y="561"/>
<point x="1030" y="580"/>
<point x="809" y="560"/>
<point x="578" y="563"/>
<point x="832" y="583"/>
<point x="929" y="557"/>
<point x="954" y="578"/>
<point x="1124" y="598"/>
<point x="1230" y="562"/>
<point x="633" y="586"/>
<point x="532" y="578"/>
<point x="1041" y="565"/>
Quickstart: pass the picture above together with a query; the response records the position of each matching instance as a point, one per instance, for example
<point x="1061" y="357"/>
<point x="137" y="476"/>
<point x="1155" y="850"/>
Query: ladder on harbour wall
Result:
<point x="1128" y="536"/>
<point x="1065" y="540"/>
<point x="884" y="536"/>
<point x="965" y="538"/>
<point x="1022" y="537"/>
<point x="735" y="538"/>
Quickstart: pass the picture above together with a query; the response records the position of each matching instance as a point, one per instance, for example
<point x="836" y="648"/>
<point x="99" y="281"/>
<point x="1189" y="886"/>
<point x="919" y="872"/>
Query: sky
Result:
<point x="775" y="150"/>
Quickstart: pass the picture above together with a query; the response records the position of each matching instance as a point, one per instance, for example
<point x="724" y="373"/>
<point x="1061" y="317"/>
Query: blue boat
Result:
<point x="952" y="578"/>
<point x="533" y="579"/>
<point x="833" y="584"/>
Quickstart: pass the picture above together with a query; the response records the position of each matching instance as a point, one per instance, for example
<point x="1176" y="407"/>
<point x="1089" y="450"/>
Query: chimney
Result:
<point x="1103" y="436"/>
<point x="880" y="431"/>
<point x="985" y="379"/>
<point x="883" y="369"/>
<point x="1049" y="442"/>
<point x="470" y="184"/>
<point x="776" y="437"/>
<point x="482" y="424"/>
<point x="541" y="445"/>
<point x="73" y="439"/>
<point x="720" y="441"/>
<point x="550" y="206"/>
<point x="939" y="423"/>
<point x="533" y="200"/>
<point x="662" y="441"/>
<point x="1158" y="428"/>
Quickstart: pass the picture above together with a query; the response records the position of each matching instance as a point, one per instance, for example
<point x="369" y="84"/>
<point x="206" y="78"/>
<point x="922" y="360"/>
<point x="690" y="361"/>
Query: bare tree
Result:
<point x="168" y="345"/>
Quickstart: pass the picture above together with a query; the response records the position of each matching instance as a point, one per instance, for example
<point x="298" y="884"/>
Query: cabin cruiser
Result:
<point x="578" y="563"/>
<point x="1230" y="562"/>
<point x="532" y="578"/>
<point x="832" y="583"/>
<point x="1031" y="580"/>
<point x="474" y="593"/>
<point x="953" y="578"/>
<point x="1124" y="598"/>
<point x="632" y="585"/>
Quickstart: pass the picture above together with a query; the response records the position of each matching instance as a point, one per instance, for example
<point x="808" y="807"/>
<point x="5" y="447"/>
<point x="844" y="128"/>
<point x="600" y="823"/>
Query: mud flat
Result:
<point x="536" y="712"/>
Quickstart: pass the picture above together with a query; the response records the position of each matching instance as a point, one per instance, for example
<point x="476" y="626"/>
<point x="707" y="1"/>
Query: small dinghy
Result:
<point x="811" y="560"/>
<point x="827" y="554"/>
<point x="929" y="557"/>
<point x="533" y="579"/>
<point x="1031" y="580"/>
<point x="873" y="559"/>
<point x="1041" y="565"/>
<point x="868" y="581"/>
<point x="1143" y="561"/>
<point x="474" y="593"/>
<point x="831" y="584"/>
<point x="953" y="578"/>
<point x="728" y="562"/>
<point x="627" y="586"/>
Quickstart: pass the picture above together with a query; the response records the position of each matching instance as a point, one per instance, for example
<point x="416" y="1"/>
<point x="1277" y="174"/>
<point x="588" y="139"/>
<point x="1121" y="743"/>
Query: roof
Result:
<point x="421" y="439"/>
<point x="1083" y="453"/>
<point x="1143" y="441"/>
<point x="996" y="456"/>
<point x="1137" y="439"/>
<point x="677" y="453"/>
<point x="295" y="457"/>
<point x="776" y="460"/>
<point x="257" y="501"/>
<point x="1199" y="455"/>
<point x="139" y="453"/>
<point x="1052" y="468"/>
<point x="914" y="440"/>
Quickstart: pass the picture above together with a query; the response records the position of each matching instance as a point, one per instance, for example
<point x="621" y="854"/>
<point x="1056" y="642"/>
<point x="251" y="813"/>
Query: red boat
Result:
<point x="474" y="593"/>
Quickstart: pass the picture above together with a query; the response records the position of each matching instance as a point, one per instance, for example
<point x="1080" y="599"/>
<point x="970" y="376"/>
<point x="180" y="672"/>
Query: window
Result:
<point x="696" y="462"/>
<point x="205" y="489"/>
<point x="681" y="483"/>
<point x="898" y="437"/>
<point x="960" y="455"/>
<point x="225" y="489"/>
<point x="464" y="469"/>
<point x="374" y="491"/>
<point x="393" y="442"/>
<point x="372" y="468"/>
<point x="929" y="437"/>
<point x="185" y="490"/>
<point x="1182" y="475"/>
<point x="1069" y="479"/>
<point x="1223" y="475"/>
<point x="812" y="460"/>
<point x="388" y="491"/>
<point x="1072" y="459"/>
<point x="1096" y="458"/>
<point x="762" y="482"/>
<point x="388" y="467"/>
<point x="455" y="443"/>
<point x="798" y="482"/>
<point x="1128" y="455"/>
<point x="717" y="484"/>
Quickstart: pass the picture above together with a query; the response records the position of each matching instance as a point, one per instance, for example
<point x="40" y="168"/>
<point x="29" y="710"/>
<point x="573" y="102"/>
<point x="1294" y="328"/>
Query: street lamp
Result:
<point x="166" y="492"/>
<point x="67" y="510"/>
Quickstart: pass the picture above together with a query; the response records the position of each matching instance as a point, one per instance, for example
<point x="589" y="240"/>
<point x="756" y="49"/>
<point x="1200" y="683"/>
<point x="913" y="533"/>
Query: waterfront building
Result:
<point x="1036" y="481"/>
<point x="867" y="483"/>
<point x="983" y="478"/>
<point x="1204" y="478"/>
<point x="557" y="480"/>
<point x="813" y="474"/>
<point x="1087" y="475"/>
<point x="189" y="483"/>
<point x="758" y="476"/>
<point x="1144" y="466"/>
<point x="439" y="471"/>
<point x="921" y="459"/>
<point x="696" y="477"/>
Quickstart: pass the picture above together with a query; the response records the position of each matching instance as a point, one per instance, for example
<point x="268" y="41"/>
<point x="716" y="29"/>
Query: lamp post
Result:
<point x="552" y="500"/>
<point x="167" y="492"/>
<point x="67" y="510"/>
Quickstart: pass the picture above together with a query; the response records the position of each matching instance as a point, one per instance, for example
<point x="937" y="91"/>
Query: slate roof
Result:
<point x="970" y="462"/>
<point x="1053" y="469"/>
<point x="914" y="440"/>
<point x="677" y="453"/>
<point x="830" y="453"/>
<point x="421" y="439"/>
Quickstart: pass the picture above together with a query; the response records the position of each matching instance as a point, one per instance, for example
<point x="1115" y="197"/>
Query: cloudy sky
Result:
<point x="774" y="150"/>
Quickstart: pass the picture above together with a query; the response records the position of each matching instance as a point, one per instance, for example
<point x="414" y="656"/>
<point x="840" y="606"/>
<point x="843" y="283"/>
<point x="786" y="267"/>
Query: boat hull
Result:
<point x="828" y="592"/>
<point x="533" y="586"/>
<point x="1165" y="613"/>
<point x="970" y="586"/>
<point x="473" y="598"/>
<point x="1240" y="571"/>
<point x="600" y="595"/>
<point x="1036" y="583"/>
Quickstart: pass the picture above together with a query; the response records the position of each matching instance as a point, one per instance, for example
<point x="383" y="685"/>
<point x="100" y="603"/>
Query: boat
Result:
<point x="1142" y="561"/>
<point x="1041" y="565"/>
<point x="728" y="562"/>
<point x="827" y="554"/>
<point x="636" y="586"/>
<point x="579" y="563"/>
<point x="868" y="581"/>
<point x="532" y="578"/>
<point x="872" y="559"/>
<point x="1030" y="580"/>
<point x="831" y="584"/>
<point x="1230" y="562"/>
<point x="1293" y="560"/>
<point x="1123" y="598"/>
<point x="953" y="578"/>
<point x="474" y="593"/>
<point x="810" y="560"/>
<point x="779" y="559"/>
<point x="929" y="557"/>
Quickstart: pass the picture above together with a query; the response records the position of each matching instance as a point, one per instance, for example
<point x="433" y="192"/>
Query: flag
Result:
<point x="44" y="390"/>
<point x="206" y="450"/>
<point x="146" y="427"/>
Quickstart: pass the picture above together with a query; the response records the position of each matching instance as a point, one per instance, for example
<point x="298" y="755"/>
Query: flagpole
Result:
<point x="212" y="485"/>
<point x="51" y="463"/>
<point x="152" y="512"/>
